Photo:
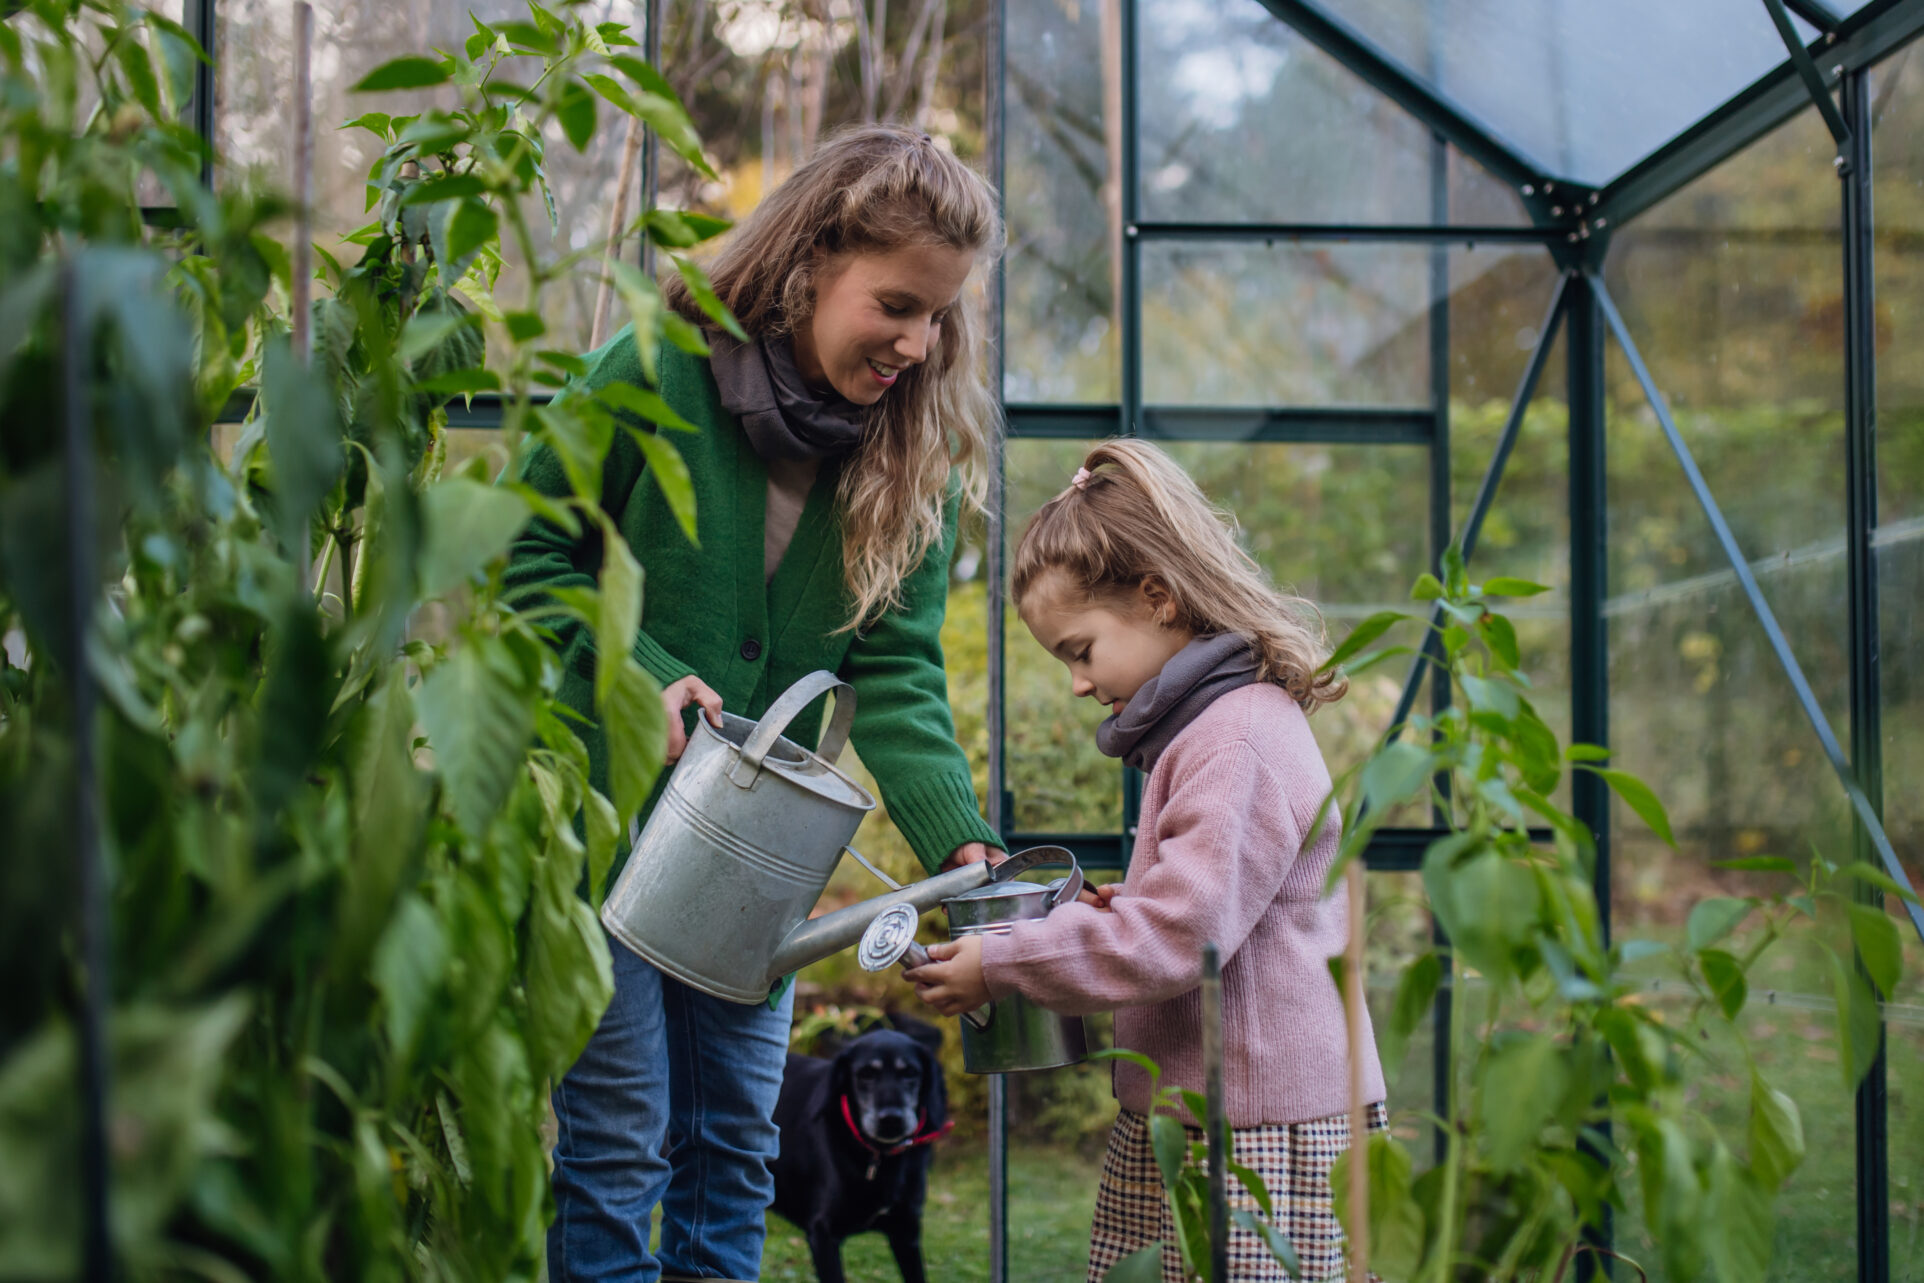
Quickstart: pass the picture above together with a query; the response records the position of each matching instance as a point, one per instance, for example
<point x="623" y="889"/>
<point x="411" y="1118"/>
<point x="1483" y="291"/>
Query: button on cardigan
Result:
<point x="712" y="612"/>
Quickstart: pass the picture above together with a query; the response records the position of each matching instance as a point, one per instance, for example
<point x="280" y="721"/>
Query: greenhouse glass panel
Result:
<point x="1583" y="90"/>
<point x="1732" y="290"/>
<point x="1241" y="119"/>
<point x="1479" y="198"/>
<point x="1897" y="94"/>
<point x="1244" y="120"/>
<point x="1060" y="342"/>
<point x="1286" y="324"/>
<point x="1060" y="782"/>
<point x="1905" y="1032"/>
<point x="1059" y="1124"/>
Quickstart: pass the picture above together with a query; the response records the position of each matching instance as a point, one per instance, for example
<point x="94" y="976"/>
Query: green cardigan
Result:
<point x="707" y="610"/>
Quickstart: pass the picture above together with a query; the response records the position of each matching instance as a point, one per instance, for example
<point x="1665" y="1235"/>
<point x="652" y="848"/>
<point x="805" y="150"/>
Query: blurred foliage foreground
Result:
<point x="348" y="946"/>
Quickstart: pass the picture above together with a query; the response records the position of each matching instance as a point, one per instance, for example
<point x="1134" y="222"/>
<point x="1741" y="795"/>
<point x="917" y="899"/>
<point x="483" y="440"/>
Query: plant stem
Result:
<point x="327" y="564"/>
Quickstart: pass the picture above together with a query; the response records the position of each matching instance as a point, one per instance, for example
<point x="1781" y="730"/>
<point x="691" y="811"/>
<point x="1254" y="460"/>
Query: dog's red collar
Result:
<point x="921" y="1137"/>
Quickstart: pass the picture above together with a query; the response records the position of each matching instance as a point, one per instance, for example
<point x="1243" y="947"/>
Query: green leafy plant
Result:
<point x="345" y="818"/>
<point x="1182" y="1162"/>
<point x="1569" y="1099"/>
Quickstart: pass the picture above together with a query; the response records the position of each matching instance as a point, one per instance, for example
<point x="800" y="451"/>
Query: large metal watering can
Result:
<point x="721" y="880"/>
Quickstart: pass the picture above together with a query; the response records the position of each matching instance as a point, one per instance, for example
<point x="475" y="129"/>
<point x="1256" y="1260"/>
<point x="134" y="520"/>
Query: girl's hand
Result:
<point x="1101" y="896"/>
<point x="953" y="983"/>
<point x="679" y="695"/>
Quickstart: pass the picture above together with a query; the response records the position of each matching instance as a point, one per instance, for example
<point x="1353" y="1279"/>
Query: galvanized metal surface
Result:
<point x="719" y="886"/>
<point x="1012" y="1034"/>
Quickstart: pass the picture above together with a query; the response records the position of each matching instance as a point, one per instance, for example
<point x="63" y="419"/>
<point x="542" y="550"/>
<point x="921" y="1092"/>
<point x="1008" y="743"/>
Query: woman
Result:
<point x="836" y="449"/>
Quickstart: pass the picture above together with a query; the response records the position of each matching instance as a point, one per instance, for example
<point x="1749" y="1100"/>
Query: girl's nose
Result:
<point x="1081" y="687"/>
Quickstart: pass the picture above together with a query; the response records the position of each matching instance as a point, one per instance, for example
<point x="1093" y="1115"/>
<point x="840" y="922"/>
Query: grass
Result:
<point x="1052" y="1195"/>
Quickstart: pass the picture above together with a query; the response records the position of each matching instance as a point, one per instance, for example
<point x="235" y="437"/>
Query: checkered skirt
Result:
<point x="1132" y="1209"/>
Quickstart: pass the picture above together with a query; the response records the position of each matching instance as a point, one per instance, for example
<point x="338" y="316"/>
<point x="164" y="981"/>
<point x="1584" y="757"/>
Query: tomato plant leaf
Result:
<point x="412" y="72"/>
<point x="1725" y="976"/>
<point x="1776" y="1133"/>
<point x="478" y="727"/>
<point x="1639" y="798"/>
<point x="1713" y="919"/>
<point x="1878" y="944"/>
<point x="1362" y="635"/>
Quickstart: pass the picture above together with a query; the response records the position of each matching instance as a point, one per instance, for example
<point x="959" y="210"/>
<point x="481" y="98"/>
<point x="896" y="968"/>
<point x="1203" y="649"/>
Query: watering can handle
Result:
<point x="785" y="710"/>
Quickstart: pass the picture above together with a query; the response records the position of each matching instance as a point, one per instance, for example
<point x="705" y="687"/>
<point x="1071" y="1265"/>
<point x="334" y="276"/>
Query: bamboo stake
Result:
<point x="1212" y="1049"/>
<point x="1357" y="1014"/>
<point x="302" y="283"/>
<point x="617" y="221"/>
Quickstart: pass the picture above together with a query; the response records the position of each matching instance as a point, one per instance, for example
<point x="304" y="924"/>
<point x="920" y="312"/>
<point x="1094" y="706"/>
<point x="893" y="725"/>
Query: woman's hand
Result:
<point x="679" y="695"/>
<point x="973" y="853"/>
<point x="954" y="982"/>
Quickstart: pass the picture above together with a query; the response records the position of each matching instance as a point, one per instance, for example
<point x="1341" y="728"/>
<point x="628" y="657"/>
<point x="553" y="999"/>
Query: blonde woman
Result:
<point x="1136" y="584"/>
<point x="835" y="450"/>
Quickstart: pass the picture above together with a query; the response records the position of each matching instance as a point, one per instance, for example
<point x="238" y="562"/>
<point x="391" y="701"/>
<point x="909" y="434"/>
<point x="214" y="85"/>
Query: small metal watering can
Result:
<point x="1011" y="1034"/>
<point x="719" y="885"/>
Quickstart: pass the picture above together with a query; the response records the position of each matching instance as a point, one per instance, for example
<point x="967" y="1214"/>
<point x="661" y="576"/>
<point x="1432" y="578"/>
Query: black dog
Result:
<point x="856" y="1142"/>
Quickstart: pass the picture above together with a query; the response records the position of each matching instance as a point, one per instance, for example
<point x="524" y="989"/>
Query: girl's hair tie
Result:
<point x="1081" y="480"/>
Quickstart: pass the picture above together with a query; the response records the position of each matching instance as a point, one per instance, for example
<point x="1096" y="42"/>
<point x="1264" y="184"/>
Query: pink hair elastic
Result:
<point x="1081" y="480"/>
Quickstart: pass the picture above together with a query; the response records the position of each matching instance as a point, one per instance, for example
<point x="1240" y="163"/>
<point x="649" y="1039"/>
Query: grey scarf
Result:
<point x="783" y="416"/>
<point x="1194" y="678"/>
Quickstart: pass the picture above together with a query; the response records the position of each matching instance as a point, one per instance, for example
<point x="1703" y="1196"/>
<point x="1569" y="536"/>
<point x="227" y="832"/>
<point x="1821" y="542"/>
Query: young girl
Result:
<point x="834" y="452"/>
<point x="1136" y="584"/>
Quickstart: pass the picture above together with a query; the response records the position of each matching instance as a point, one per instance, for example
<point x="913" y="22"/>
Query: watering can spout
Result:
<point x="818" y="938"/>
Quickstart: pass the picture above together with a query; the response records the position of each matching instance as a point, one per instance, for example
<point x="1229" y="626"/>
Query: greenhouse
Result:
<point x="1569" y="357"/>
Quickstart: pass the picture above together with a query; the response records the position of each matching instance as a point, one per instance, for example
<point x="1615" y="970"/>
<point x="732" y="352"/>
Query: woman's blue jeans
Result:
<point x="672" y="1102"/>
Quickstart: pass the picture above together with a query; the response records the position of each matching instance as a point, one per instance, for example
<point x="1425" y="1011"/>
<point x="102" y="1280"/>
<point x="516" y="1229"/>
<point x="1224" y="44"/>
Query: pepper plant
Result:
<point x="345" y="819"/>
<point x="1568" y="1101"/>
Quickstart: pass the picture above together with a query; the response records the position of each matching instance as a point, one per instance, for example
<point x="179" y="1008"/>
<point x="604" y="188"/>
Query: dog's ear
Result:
<point x="841" y="1073"/>
<point x="934" y="1104"/>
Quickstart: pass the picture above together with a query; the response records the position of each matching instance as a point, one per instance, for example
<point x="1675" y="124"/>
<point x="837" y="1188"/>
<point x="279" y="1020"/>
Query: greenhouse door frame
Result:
<point x="1573" y="223"/>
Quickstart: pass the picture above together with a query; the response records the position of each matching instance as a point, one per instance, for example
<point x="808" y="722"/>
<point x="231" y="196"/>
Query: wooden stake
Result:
<point x="1358" y="1020"/>
<point x="1212" y="1048"/>
<point x="301" y="270"/>
<point x="617" y="222"/>
<point x="302" y="283"/>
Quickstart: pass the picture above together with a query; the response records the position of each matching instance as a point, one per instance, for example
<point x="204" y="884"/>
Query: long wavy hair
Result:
<point x="877" y="189"/>
<point x="1137" y="516"/>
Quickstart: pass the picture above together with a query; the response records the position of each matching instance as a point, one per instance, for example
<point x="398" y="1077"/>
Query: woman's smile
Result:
<point x="876" y="315"/>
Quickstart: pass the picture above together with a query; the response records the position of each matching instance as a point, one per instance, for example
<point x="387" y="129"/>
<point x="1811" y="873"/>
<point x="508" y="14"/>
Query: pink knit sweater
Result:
<point x="1219" y="856"/>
